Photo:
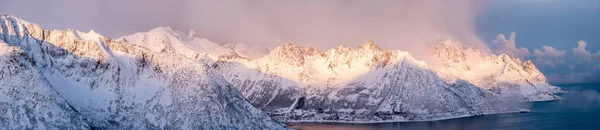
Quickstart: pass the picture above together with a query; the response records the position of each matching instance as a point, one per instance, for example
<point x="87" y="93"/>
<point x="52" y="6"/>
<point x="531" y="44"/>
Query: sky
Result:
<point x="562" y="37"/>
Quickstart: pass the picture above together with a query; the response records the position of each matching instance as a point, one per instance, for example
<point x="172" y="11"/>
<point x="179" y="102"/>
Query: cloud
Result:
<point x="394" y="24"/>
<point x="581" y="52"/>
<point x="549" y="56"/>
<point x="584" y="55"/>
<point x="509" y="46"/>
<point x="523" y="52"/>
<point x="578" y="66"/>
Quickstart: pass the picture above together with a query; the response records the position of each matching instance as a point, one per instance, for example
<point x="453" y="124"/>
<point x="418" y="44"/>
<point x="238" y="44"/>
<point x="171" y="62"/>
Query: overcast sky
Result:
<point x="562" y="37"/>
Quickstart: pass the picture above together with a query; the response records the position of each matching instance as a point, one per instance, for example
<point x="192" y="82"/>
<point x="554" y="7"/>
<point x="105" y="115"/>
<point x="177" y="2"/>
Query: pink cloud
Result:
<point x="549" y="56"/>
<point x="581" y="52"/>
<point x="509" y="46"/>
<point x="585" y="68"/>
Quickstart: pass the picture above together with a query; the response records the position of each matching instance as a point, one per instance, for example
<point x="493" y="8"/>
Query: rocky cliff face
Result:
<point x="113" y="85"/>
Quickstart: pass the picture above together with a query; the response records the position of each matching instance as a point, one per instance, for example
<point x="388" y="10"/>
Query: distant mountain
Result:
<point x="54" y="79"/>
<point x="363" y="84"/>
<point x="502" y="75"/>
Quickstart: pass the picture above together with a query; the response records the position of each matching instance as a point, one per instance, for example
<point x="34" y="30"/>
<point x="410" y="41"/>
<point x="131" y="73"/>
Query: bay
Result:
<point x="578" y="110"/>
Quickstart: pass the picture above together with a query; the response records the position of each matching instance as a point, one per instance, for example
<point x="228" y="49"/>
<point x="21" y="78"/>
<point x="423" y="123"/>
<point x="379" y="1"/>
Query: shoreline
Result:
<point x="292" y="122"/>
<point x="396" y="121"/>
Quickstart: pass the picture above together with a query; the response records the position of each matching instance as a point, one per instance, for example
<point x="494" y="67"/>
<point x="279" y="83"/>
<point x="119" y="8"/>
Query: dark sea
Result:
<point x="578" y="110"/>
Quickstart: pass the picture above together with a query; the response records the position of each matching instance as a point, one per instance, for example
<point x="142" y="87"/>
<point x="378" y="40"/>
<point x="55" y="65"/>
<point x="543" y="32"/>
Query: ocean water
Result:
<point x="578" y="110"/>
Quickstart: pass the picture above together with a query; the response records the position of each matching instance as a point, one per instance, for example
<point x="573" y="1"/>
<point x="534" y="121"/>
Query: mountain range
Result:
<point x="164" y="79"/>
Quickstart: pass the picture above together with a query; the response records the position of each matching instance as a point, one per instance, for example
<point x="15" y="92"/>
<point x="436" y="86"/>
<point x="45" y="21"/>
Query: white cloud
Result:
<point x="548" y="51"/>
<point x="581" y="52"/>
<point x="549" y="56"/>
<point x="523" y="53"/>
<point x="584" y="66"/>
<point x="586" y="58"/>
<point x="509" y="46"/>
<point x="581" y="60"/>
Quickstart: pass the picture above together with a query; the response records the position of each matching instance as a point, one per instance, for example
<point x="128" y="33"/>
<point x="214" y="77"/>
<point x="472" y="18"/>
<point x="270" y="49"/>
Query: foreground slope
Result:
<point x="27" y="101"/>
<point x="124" y="86"/>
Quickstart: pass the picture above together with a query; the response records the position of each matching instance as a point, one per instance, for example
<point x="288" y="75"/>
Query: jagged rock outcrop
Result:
<point x="117" y="85"/>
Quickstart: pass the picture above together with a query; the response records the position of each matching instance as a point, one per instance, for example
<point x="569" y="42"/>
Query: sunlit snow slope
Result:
<point x="70" y="80"/>
<point x="503" y="75"/>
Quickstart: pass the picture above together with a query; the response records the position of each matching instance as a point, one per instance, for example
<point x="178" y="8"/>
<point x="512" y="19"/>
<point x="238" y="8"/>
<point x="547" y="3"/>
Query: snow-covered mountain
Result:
<point x="26" y="100"/>
<point x="364" y="84"/>
<point x="164" y="79"/>
<point x="368" y="84"/>
<point x="501" y="74"/>
<point x="164" y="39"/>
<point x="72" y="80"/>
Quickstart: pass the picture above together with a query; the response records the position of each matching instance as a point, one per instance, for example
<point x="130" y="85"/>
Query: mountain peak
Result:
<point x="170" y="32"/>
<point x="291" y="44"/>
<point x="289" y="53"/>
<point x="340" y="46"/>
<point x="286" y="48"/>
<point x="18" y="27"/>
<point x="449" y="42"/>
<point x="90" y="36"/>
<point x="370" y="45"/>
<point x="164" y="29"/>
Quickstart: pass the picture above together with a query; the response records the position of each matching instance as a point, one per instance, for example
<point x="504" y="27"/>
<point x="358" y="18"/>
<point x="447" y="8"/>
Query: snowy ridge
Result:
<point x="113" y="85"/>
<point x="164" y="39"/>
